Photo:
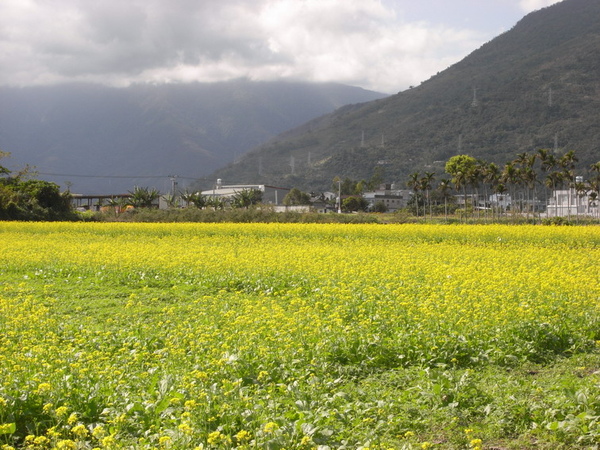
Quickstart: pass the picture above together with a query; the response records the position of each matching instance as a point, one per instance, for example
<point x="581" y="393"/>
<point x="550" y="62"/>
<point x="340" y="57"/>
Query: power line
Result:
<point x="117" y="176"/>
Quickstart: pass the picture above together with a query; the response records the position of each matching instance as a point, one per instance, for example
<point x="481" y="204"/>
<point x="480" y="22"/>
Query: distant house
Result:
<point x="500" y="201"/>
<point x="569" y="202"/>
<point x="394" y="199"/>
<point x="474" y="200"/>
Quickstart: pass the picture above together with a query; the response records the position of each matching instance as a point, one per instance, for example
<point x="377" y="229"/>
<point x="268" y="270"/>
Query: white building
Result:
<point x="568" y="202"/>
<point x="271" y="194"/>
<point x="500" y="201"/>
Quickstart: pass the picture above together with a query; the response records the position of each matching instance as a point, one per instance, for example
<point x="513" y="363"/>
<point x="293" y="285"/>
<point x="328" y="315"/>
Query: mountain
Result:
<point x="535" y="86"/>
<point x="107" y="140"/>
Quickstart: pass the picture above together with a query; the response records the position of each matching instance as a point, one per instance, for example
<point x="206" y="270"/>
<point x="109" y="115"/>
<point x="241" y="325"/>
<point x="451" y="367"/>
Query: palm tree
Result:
<point x="187" y="197"/>
<point x="194" y="198"/>
<point x="414" y="183"/>
<point x="216" y="202"/>
<point x="594" y="185"/>
<point x="491" y="177"/>
<point x="528" y="179"/>
<point x="500" y="189"/>
<point x="426" y="183"/>
<point x="444" y="188"/>
<point x="510" y="176"/>
<point x="592" y="198"/>
<point x="461" y="167"/>
<point x="554" y="179"/>
<point x="581" y="189"/>
<point x="474" y="179"/>
<point x="143" y="197"/>
<point x="117" y="204"/>
<point x="246" y="198"/>
<point x="171" y="199"/>
<point x="567" y="164"/>
<point x="548" y="163"/>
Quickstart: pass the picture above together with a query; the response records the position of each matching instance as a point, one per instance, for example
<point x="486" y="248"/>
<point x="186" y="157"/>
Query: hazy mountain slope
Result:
<point x="146" y="131"/>
<point x="531" y="87"/>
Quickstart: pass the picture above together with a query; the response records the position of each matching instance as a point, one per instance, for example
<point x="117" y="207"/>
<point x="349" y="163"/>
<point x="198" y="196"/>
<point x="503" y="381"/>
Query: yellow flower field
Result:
<point x="298" y="336"/>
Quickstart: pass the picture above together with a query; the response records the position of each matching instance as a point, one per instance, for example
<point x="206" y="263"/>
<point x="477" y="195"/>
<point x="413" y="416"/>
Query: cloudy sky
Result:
<point x="384" y="45"/>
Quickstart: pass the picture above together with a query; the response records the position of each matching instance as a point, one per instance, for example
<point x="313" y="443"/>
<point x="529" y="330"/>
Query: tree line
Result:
<point x="529" y="181"/>
<point x="521" y="187"/>
<point x="22" y="197"/>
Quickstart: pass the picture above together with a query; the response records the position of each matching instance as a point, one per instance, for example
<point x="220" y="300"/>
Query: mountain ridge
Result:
<point x="99" y="137"/>
<point x="534" y="86"/>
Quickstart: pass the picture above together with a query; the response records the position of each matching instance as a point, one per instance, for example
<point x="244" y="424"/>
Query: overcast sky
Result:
<point x="384" y="45"/>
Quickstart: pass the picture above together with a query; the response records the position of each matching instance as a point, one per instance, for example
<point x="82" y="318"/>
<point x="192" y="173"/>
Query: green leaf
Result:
<point x="8" y="428"/>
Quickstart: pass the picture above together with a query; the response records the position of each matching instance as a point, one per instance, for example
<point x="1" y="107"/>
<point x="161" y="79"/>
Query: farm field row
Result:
<point x="298" y="336"/>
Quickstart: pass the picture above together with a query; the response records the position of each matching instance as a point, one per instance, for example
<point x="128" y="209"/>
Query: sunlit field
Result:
<point x="220" y="336"/>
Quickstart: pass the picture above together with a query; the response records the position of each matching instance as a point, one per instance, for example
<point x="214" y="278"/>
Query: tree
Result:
<point x="414" y="183"/>
<point x="592" y="201"/>
<point x="4" y="170"/>
<point x="296" y="197"/>
<point x="246" y="198"/>
<point x="117" y="204"/>
<point x="379" y="207"/>
<point x="461" y="168"/>
<point x="553" y="179"/>
<point x="347" y="186"/>
<point x="500" y="189"/>
<point x="172" y="200"/>
<point x="426" y="184"/>
<point x="45" y="195"/>
<point x="22" y="198"/>
<point x="216" y="202"/>
<point x="527" y="177"/>
<point x="194" y="198"/>
<point x="510" y="178"/>
<point x="377" y="178"/>
<point x="567" y="164"/>
<point x="548" y="163"/>
<point x="360" y="187"/>
<point x="444" y="188"/>
<point x="416" y="203"/>
<point x="143" y="197"/>
<point x="594" y="185"/>
<point x="34" y="200"/>
<point x="581" y="189"/>
<point x="355" y="203"/>
<point x="491" y="177"/>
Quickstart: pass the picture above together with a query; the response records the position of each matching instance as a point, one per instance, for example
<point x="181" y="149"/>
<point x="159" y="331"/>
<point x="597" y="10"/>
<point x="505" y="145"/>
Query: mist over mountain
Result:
<point x="535" y="86"/>
<point x="107" y="140"/>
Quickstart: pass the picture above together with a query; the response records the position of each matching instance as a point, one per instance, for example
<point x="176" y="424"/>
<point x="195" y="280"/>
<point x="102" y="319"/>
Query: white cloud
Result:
<point x="533" y="5"/>
<point x="361" y="42"/>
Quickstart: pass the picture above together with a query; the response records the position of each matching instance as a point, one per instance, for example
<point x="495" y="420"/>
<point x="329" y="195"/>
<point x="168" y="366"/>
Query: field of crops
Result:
<point x="220" y="336"/>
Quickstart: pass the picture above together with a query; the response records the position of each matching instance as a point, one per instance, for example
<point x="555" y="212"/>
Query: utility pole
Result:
<point x="173" y="184"/>
<point x="339" y="196"/>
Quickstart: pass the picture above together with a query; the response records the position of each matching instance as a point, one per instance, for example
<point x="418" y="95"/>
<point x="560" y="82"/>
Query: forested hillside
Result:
<point x="535" y="86"/>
